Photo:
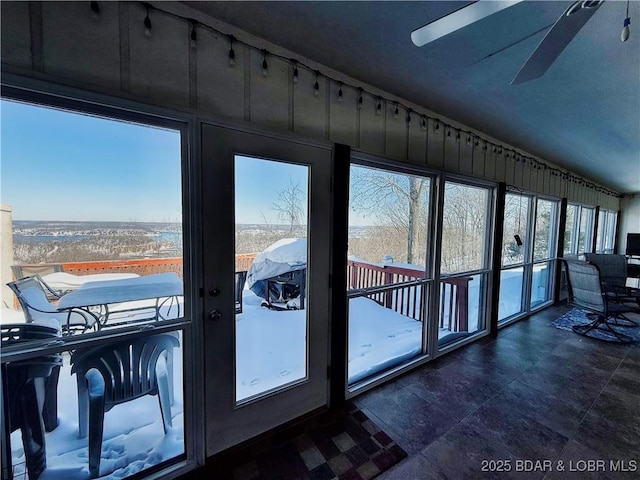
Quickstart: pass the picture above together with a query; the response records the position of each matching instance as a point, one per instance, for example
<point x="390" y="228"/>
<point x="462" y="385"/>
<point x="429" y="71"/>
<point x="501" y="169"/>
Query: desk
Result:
<point x="92" y="296"/>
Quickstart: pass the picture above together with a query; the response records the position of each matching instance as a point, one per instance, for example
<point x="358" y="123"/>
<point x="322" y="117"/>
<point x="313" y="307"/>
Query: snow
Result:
<point x="63" y="281"/>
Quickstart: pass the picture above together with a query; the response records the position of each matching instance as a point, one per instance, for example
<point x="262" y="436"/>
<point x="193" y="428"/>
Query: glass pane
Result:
<point x="586" y="230"/>
<point x="139" y="431"/>
<point x="543" y="247"/>
<point x="271" y="211"/>
<point x="516" y="213"/>
<point x="541" y="283"/>
<point x="461" y="307"/>
<point x="511" y="292"/>
<point x="95" y="206"/>
<point x="464" y="228"/>
<point x="388" y="225"/>
<point x="388" y="222"/>
<point x="570" y="230"/>
<point x="610" y="232"/>
<point x="602" y="226"/>
<point x="385" y="329"/>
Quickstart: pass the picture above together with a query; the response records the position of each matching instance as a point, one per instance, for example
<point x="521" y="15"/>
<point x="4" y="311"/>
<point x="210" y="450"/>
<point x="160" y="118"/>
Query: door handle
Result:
<point x="214" y="315"/>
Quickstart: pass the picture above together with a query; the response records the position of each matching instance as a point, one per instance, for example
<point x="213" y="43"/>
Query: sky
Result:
<point x="59" y="165"/>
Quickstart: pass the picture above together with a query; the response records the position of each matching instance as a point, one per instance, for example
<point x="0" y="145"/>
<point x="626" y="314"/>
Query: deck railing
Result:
<point x="397" y="289"/>
<point x="385" y="285"/>
<point x="141" y="266"/>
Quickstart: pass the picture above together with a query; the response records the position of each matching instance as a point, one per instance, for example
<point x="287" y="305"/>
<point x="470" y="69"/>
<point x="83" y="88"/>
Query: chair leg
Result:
<point x="83" y="407"/>
<point x="164" y="396"/>
<point x="170" y="375"/>
<point x="96" y="431"/>
<point x="32" y="430"/>
<point x="50" y="409"/>
<point x="600" y="323"/>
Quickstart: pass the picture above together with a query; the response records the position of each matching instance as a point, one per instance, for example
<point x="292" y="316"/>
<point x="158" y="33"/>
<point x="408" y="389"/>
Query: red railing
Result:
<point x="142" y="266"/>
<point x="407" y="300"/>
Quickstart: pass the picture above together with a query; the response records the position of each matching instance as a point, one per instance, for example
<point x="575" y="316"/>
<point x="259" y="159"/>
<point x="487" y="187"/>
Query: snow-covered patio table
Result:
<point x="163" y="288"/>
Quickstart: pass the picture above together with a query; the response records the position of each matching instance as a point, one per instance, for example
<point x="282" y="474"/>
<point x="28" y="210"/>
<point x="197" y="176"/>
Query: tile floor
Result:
<point x="535" y="394"/>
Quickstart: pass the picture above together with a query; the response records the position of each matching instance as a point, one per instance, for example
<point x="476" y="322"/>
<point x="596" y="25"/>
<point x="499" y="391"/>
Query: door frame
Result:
<point x="228" y="422"/>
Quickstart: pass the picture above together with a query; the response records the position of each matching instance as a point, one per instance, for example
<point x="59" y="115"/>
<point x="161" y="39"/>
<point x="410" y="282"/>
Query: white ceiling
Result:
<point x="583" y="114"/>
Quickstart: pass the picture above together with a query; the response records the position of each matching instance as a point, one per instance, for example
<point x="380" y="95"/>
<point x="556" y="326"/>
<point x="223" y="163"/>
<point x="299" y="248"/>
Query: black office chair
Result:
<point x="586" y="292"/>
<point x="28" y="391"/>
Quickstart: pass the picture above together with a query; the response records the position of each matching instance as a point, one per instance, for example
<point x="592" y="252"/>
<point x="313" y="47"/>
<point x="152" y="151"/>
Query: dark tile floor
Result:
<point x="536" y="393"/>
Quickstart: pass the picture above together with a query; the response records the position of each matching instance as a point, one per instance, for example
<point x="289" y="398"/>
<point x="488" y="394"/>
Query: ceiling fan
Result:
<point x="551" y="46"/>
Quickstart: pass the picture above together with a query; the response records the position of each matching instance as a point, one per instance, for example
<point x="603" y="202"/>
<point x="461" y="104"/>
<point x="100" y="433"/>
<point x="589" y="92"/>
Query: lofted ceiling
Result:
<point x="583" y="114"/>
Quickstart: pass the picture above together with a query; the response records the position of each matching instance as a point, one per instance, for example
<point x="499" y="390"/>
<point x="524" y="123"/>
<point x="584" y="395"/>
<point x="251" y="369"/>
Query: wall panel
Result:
<point x="417" y="142"/>
<point x="269" y="95"/>
<point x="92" y="42"/>
<point x="154" y="73"/>
<point x="396" y="133"/>
<point x="309" y="110"/>
<point x="214" y="75"/>
<point x="343" y="116"/>
<point x="371" y="125"/>
<point x="435" y="144"/>
<point x="14" y="24"/>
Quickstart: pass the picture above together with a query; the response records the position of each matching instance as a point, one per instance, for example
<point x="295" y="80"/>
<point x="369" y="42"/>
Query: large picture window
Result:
<point x="91" y="320"/>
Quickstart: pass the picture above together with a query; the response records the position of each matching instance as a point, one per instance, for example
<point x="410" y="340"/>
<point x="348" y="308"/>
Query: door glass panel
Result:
<point x="516" y="213"/>
<point x="271" y="231"/>
<point x="388" y="224"/>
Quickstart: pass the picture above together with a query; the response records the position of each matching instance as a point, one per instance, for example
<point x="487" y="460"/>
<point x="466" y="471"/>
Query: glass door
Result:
<point x="266" y="231"/>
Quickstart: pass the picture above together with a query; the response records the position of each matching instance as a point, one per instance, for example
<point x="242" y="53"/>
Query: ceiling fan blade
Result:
<point x="457" y="20"/>
<point x="556" y="40"/>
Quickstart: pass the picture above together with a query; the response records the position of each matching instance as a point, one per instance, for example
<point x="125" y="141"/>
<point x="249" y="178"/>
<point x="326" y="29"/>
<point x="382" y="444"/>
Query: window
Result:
<point x="464" y="261"/>
<point x="528" y="254"/>
<point x="387" y="271"/>
<point x="96" y="213"/>
<point x="578" y="234"/>
<point x="605" y="241"/>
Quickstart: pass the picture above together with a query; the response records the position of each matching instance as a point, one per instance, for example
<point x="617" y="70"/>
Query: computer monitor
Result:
<point x="633" y="244"/>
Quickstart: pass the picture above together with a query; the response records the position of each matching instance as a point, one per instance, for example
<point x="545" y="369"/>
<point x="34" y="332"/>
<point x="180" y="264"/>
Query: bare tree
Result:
<point x="291" y="206"/>
<point x="398" y="204"/>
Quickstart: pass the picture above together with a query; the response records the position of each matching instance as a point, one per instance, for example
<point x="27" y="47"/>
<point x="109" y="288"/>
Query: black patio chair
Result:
<point x="32" y="295"/>
<point x="586" y="292"/>
<point x="116" y="373"/>
<point x="31" y="394"/>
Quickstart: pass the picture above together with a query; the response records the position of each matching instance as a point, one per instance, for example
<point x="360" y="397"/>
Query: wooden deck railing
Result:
<point x="407" y="300"/>
<point x="142" y="266"/>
